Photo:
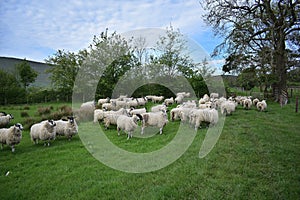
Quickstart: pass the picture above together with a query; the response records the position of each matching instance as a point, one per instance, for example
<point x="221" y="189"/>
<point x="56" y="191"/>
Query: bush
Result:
<point x="44" y="110"/>
<point x="24" y="114"/>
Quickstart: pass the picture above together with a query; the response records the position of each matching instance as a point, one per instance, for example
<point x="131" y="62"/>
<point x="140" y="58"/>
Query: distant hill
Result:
<point x="8" y="64"/>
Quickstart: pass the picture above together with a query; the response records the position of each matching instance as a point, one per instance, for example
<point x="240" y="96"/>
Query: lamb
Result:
<point x="159" y="108"/>
<point x="44" y="130"/>
<point x="127" y="124"/>
<point x="261" y="105"/>
<point x="227" y="107"/>
<point x="4" y="120"/>
<point x="158" y="119"/>
<point x="169" y="101"/>
<point x="247" y="103"/>
<point x="11" y="136"/>
<point x="67" y="128"/>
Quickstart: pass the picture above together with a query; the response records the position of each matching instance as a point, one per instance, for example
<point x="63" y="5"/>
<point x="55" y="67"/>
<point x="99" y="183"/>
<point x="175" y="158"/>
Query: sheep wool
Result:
<point x="5" y="119"/>
<point x="11" y="136"/>
<point x="67" y="128"/>
<point x="45" y="131"/>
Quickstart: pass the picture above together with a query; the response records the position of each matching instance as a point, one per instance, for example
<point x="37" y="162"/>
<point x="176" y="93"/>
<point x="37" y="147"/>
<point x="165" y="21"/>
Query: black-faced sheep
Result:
<point x="45" y="131"/>
<point x="262" y="105"/>
<point x="11" y="136"/>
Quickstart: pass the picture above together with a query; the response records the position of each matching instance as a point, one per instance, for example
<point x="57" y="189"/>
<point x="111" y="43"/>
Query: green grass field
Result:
<point x="256" y="157"/>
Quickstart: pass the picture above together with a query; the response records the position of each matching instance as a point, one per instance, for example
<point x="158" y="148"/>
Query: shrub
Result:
<point x="24" y="114"/>
<point x="44" y="110"/>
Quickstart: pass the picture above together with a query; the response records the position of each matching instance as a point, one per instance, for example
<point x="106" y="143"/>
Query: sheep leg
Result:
<point x="142" y="130"/>
<point x="12" y="148"/>
<point x="118" y="131"/>
<point x="160" y="130"/>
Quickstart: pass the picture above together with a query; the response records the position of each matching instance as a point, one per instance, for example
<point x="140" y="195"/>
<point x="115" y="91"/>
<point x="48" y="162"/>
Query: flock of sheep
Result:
<point x="125" y="112"/>
<point x="45" y="131"/>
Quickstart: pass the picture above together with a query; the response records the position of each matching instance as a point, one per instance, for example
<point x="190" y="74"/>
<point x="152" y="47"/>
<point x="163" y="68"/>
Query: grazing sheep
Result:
<point x="67" y="128"/>
<point x="157" y="99"/>
<point x="261" y="105"/>
<point x="4" y="120"/>
<point x="169" y="101"/>
<point x="44" y="131"/>
<point x="159" y="108"/>
<point x="11" y="136"/>
<point x="227" y="107"/>
<point x="247" y="103"/>
<point x="137" y="111"/>
<point x="158" y="119"/>
<point x="111" y="117"/>
<point x="127" y="124"/>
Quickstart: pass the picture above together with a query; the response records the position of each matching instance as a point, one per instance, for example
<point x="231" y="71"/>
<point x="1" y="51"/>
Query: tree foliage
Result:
<point x="259" y="33"/>
<point x="26" y="74"/>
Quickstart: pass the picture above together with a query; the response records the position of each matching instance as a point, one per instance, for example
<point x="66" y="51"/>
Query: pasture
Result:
<point x="256" y="157"/>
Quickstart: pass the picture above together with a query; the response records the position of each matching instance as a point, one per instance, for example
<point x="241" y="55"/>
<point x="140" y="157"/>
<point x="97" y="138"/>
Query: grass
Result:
<point x="256" y="157"/>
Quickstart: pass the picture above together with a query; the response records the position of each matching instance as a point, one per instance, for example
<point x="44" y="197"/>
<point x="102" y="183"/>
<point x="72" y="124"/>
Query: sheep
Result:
<point x="247" y="103"/>
<point x="132" y="103"/>
<point x="44" y="130"/>
<point x="112" y="116"/>
<point x="158" y="119"/>
<point x="127" y="124"/>
<point x="189" y="104"/>
<point x="98" y="115"/>
<point x="66" y="128"/>
<point x="179" y="99"/>
<point x="169" y="101"/>
<point x="102" y="101"/>
<point x="205" y="105"/>
<point x="214" y="95"/>
<point x="175" y="112"/>
<point x="11" y="136"/>
<point x="159" y="108"/>
<point x="227" y="107"/>
<point x="137" y="111"/>
<point x="184" y="94"/>
<point x="255" y="101"/>
<point x="2" y="114"/>
<point x="4" y="120"/>
<point x="208" y="115"/>
<point x="156" y="99"/>
<point x="261" y="105"/>
<point x="119" y="104"/>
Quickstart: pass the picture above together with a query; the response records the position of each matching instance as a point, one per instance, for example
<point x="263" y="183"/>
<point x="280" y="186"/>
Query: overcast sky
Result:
<point x="36" y="29"/>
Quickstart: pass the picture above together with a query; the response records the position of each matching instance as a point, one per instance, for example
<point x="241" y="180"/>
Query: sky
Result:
<point x="35" y="29"/>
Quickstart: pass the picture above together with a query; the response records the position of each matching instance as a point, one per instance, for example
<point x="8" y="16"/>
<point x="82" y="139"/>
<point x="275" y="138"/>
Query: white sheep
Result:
<point x="132" y="103"/>
<point x="11" y="136"/>
<point x="67" y="128"/>
<point x="184" y="94"/>
<point x="2" y="114"/>
<point x="4" y="120"/>
<point x="102" y="101"/>
<point x="98" y="115"/>
<point x="142" y="101"/>
<point x="111" y="117"/>
<point x="44" y="131"/>
<point x="107" y="106"/>
<point x="255" y="101"/>
<point x="179" y="99"/>
<point x="175" y="113"/>
<point x="127" y="124"/>
<point x="137" y="111"/>
<point x="169" y="101"/>
<point x="227" y="107"/>
<point x="159" y="108"/>
<point x="261" y="105"/>
<point x="189" y="104"/>
<point x="214" y="95"/>
<point x="157" y="99"/>
<point x="207" y="115"/>
<point x="158" y="119"/>
<point x="247" y="103"/>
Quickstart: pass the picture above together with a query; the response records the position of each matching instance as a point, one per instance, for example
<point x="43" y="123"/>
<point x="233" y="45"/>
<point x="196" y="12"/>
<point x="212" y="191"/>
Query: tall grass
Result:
<point x="256" y="157"/>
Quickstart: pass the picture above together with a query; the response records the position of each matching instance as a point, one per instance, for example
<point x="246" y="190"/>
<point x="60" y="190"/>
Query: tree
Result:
<point x="255" y="31"/>
<point x="64" y="68"/>
<point x="172" y="59"/>
<point x="26" y="74"/>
